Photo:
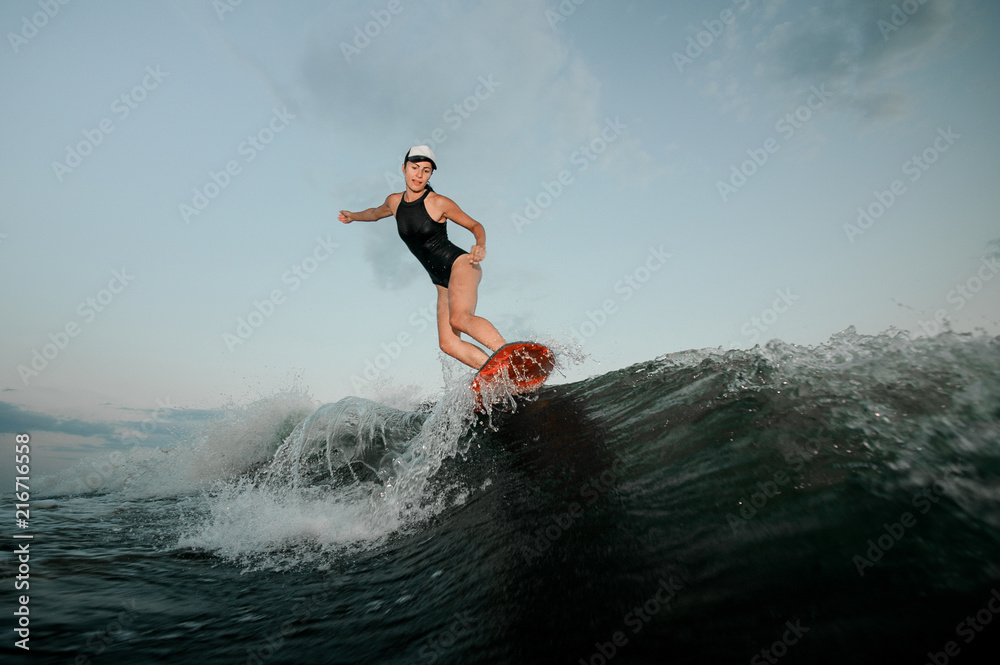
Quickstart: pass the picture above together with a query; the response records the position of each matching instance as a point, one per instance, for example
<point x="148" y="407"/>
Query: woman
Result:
<point x="421" y="217"/>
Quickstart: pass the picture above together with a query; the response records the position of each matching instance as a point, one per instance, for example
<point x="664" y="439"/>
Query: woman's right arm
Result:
<point x="370" y="215"/>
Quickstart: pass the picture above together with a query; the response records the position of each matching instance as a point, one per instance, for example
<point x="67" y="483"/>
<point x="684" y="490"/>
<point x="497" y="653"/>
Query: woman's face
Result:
<point x="417" y="174"/>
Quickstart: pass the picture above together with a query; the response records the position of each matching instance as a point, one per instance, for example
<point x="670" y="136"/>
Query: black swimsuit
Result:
<point x="427" y="239"/>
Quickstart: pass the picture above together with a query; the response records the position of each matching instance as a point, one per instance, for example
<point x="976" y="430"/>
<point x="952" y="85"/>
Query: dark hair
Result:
<point x="419" y="158"/>
<point x="406" y="159"/>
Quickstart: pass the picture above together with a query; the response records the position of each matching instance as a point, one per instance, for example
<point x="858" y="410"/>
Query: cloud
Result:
<point x="392" y="264"/>
<point x="877" y="106"/>
<point x="855" y="46"/>
<point x="15" y="419"/>
<point x="994" y="251"/>
<point x="428" y="58"/>
<point x="844" y="45"/>
<point x="149" y="426"/>
<point x="847" y="38"/>
<point x="542" y="101"/>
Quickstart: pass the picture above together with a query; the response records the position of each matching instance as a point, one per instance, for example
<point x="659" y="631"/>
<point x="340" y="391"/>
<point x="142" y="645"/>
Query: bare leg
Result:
<point x="456" y="314"/>
<point x="449" y="339"/>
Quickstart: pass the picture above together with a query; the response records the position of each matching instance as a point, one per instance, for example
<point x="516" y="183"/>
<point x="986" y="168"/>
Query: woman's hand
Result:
<point x="345" y="217"/>
<point x="477" y="254"/>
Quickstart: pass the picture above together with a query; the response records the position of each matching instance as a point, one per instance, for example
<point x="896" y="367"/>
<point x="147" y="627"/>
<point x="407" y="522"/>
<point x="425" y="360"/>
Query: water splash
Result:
<point x="348" y="476"/>
<point x="240" y="439"/>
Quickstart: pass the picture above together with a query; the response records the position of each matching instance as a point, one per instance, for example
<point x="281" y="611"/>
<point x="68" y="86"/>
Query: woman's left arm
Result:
<point x="454" y="213"/>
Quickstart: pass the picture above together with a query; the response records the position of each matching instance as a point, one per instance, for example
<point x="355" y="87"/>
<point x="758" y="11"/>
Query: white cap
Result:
<point x="421" y="153"/>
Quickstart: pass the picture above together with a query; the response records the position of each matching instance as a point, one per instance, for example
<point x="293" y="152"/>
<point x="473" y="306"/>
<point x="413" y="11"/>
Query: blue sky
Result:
<point x="652" y="177"/>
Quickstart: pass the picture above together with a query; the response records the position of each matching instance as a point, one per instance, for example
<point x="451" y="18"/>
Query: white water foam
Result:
<point x="347" y="477"/>
<point x="242" y="438"/>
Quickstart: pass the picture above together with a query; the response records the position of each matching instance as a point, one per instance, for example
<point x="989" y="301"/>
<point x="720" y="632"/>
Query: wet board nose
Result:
<point x="515" y="369"/>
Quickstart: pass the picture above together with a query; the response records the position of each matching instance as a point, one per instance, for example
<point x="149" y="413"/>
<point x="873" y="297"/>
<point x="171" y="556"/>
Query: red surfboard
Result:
<point x="515" y="369"/>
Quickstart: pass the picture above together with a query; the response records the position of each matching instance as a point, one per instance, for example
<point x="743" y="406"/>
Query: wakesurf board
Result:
<point x="515" y="369"/>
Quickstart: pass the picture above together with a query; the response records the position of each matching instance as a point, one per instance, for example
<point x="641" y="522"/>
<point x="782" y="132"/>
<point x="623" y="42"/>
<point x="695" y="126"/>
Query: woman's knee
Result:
<point x="449" y="345"/>
<point x="460" y="321"/>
